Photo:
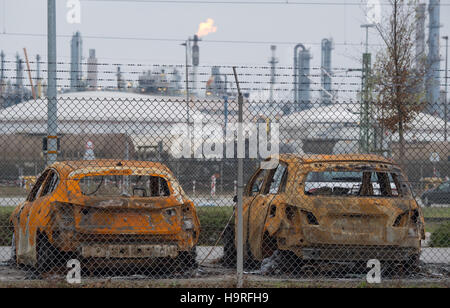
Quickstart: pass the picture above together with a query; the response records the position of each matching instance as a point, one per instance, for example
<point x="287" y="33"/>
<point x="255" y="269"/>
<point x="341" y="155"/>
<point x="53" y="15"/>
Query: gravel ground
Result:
<point x="211" y="274"/>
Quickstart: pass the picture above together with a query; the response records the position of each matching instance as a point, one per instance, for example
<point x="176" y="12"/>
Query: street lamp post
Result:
<point x="446" y="84"/>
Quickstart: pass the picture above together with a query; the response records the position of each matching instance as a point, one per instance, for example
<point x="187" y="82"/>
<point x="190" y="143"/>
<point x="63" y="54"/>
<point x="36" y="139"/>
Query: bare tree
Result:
<point x="396" y="79"/>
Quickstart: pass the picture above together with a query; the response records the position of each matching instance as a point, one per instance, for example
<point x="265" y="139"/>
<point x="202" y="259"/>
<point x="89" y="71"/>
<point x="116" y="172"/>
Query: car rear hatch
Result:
<point x="124" y="215"/>
<point x="354" y="221"/>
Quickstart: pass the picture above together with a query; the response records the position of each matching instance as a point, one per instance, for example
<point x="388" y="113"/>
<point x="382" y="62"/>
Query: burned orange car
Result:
<point x="331" y="208"/>
<point x="120" y="211"/>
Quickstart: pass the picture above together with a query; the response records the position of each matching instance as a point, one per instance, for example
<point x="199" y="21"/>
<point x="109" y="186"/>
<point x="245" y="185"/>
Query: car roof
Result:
<point x="316" y="158"/>
<point x="66" y="167"/>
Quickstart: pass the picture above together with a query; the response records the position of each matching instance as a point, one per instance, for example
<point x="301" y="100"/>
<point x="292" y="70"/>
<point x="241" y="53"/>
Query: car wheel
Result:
<point x="412" y="266"/>
<point x="45" y="254"/>
<point x="13" y="250"/>
<point x="229" y="249"/>
<point x="187" y="260"/>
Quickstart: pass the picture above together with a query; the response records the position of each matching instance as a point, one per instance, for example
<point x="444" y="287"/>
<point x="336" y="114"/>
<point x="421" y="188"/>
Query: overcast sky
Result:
<point x="162" y="24"/>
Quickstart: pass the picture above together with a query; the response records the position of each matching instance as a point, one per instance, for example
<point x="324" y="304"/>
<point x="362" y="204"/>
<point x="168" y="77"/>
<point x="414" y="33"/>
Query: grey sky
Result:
<point x="286" y="23"/>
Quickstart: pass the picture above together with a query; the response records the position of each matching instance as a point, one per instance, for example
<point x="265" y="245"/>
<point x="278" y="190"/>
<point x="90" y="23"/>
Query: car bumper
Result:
<point x="357" y="253"/>
<point x="129" y="251"/>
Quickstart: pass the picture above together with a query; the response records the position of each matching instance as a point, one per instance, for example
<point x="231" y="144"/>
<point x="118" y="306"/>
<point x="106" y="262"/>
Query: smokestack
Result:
<point x="326" y="74"/>
<point x="195" y="63"/>
<point x="92" y="74"/>
<point x="19" y="78"/>
<point x="75" y="64"/>
<point x="273" y="61"/>
<point x="420" y="40"/>
<point x="433" y="76"/>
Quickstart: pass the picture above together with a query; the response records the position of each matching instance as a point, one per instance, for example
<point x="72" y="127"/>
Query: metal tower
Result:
<point x="433" y="74"/>
<point x="75" y="64"/>
<point x="420" y="41"/>
<point x="38" y="76"/>
<point x="92" y="74"/>
<point x="273" y="62"/>
<point x="326" y="73"/>
<point x="19" y="79"/>
<point x="301" y="78"/>
<point x="195" y="63"/>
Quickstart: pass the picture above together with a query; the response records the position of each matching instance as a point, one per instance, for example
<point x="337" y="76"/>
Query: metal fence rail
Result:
<point x="147" y="181"/>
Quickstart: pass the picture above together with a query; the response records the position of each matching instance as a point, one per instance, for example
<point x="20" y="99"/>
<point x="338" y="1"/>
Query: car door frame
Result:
<point x="256" y="227"/>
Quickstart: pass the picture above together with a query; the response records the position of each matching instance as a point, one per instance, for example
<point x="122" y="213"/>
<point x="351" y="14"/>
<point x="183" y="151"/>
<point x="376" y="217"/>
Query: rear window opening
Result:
<point x="354" y="183"/>
<point x="125" y="186"/>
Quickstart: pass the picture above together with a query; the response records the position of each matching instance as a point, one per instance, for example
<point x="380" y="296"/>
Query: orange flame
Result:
<point x="206" y="28"/>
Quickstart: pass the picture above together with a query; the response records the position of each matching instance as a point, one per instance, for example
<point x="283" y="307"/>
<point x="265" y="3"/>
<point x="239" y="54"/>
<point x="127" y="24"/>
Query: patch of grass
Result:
<point x="5" y="230"/>
<point x="436" y="212"/>
<point x="431" y="226"/>
<point x="441" y="236"/>
<point x="6" y="191"/>
<point x="213" y="220"/>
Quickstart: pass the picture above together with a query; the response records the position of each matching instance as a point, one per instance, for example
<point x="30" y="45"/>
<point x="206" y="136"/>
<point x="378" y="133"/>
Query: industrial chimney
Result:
<point x="325" y="72"/>
<point x="195" y="63"/>
<point x="433" y="75"/>
<point x="75" y="63"/>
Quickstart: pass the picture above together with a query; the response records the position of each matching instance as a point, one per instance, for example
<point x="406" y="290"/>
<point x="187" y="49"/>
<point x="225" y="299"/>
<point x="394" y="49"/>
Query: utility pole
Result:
<point x="446" y="84"/>
<point x="366" y="134"/>
<point x="52" y="105"/>
<point x="240" y="188"/>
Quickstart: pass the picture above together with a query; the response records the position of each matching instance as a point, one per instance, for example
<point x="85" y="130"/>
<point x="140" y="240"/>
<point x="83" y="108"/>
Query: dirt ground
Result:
<point x="213" y="275"/>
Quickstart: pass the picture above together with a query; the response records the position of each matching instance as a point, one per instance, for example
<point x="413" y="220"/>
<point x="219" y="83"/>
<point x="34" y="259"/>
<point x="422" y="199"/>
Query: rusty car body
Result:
<point x="110" y="210"/>
<point x="331" y="208"/>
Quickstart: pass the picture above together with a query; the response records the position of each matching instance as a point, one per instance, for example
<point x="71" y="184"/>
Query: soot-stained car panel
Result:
<point x="124" y="210"/>
<point x="336" y="207"/>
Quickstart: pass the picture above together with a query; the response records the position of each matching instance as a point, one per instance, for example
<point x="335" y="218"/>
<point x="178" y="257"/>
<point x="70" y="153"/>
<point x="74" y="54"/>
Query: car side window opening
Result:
<point x="50" y="184"/>
<point x="125" y="185"/>
<point x="276" y="179"/>
<point x="257" y="183"/>
<point x="34" y="191"/>
<point x="354" y="183"/>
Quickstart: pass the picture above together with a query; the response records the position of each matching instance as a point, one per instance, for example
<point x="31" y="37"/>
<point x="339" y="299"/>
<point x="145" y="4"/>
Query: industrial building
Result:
<point x="76" y="56"/>
<point x="92" y="70"/>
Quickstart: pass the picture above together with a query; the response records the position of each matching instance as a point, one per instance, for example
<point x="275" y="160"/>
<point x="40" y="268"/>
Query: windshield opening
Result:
<point x="125" y="186"/>
<point x="355" y="183"/>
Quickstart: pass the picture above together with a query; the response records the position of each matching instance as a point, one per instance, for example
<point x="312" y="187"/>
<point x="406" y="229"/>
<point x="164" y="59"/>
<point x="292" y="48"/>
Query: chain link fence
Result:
<point x="145" y="183"/>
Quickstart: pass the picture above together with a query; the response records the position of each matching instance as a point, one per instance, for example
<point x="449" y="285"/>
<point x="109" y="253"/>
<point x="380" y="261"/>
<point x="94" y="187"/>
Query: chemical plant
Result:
<point x="84" y="73"/>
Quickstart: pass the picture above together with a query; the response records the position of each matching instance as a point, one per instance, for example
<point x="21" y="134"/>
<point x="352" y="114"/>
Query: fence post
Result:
<point x="52" y="112"/>
<point x="240" y="191"/>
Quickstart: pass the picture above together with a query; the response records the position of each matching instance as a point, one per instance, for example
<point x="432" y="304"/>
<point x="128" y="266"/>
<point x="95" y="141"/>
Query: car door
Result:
<point x="41" y="205"/>
<point x="23" y="240"/>
<point x="251" y="195"/>
<point x="260" y="208"/>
